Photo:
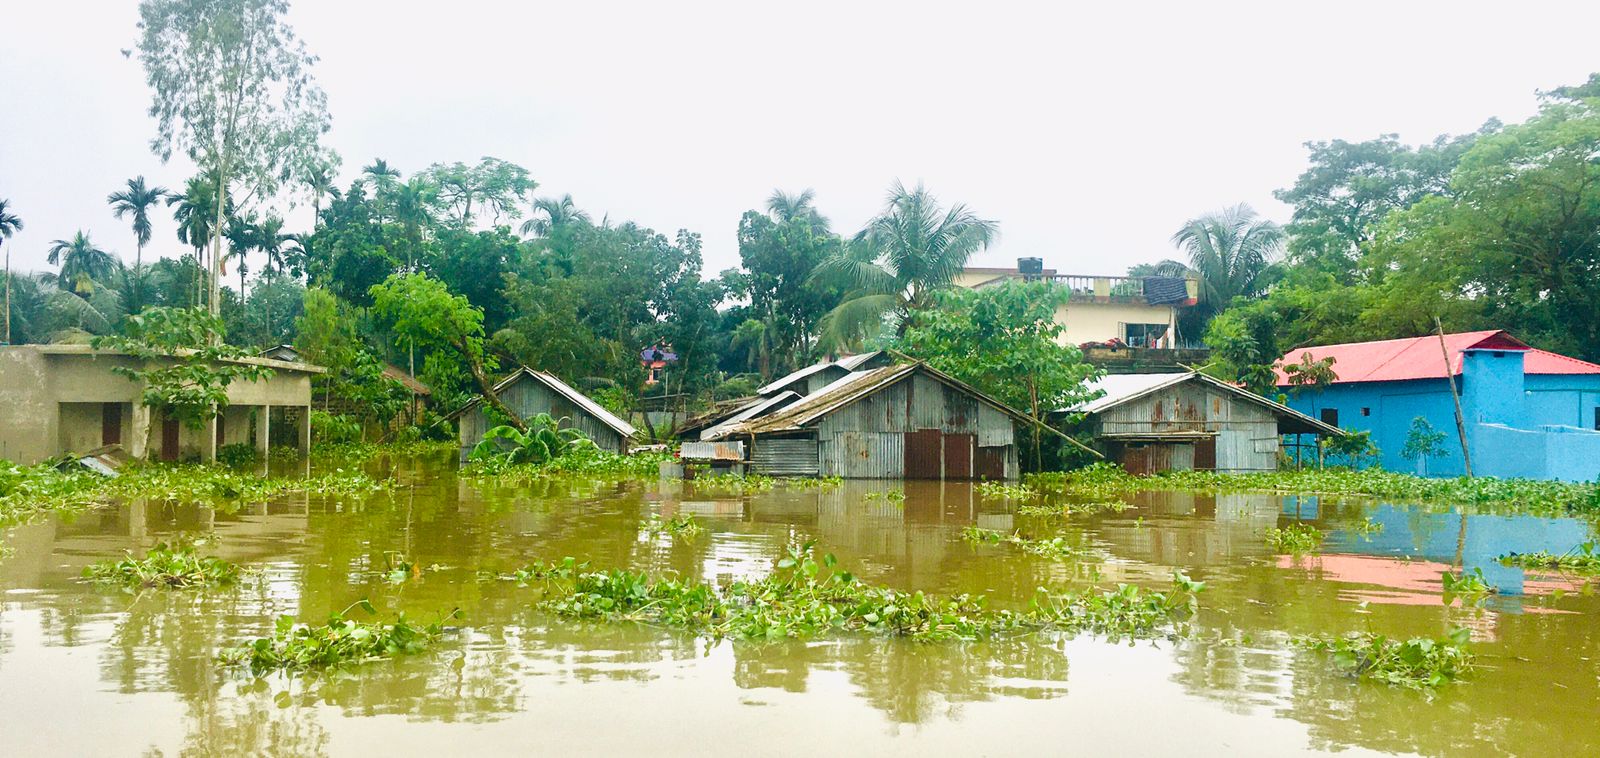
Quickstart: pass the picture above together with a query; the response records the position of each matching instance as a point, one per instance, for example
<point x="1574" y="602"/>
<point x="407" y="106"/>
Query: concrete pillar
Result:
<point x="305" y="429"/>
<point x="138" y="436"/>
<point x="263" y="429"/>
<point x="208" y="442"/>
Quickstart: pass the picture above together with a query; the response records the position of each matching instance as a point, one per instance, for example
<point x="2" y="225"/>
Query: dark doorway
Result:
<point x="958" y="455"/>
<point x="222" y="429"/>
<point x="992" y="462"/>
<point x="1205" y="454"/>
<point x="922" y="454"/>
<point x="110" y="423"/>
<point x="169" y="439"/>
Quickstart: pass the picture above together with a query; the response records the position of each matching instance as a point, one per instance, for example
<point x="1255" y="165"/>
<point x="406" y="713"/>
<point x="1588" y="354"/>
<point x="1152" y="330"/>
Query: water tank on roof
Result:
<point x="1030" y="267"/>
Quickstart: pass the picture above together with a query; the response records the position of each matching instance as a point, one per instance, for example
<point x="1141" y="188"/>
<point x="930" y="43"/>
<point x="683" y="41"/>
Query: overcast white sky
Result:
<point x="1090" y="134"/>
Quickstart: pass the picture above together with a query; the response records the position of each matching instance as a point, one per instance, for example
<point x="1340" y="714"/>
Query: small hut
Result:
<point x="529" y="393"/>
<point x="901" y="421"/>
<point x="1179" y="422"/>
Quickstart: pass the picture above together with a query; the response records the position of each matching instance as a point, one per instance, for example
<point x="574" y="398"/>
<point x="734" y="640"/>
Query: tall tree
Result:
<point x="494" y="186"/>
<point x="10" y="224"/>
<point x="134" y="203"/>
<point x="781" y="250"/>
<point x="893" y="267"/>
<point x="320" y="180"/>
<point x="550" y="214"/>
<point x="82" y="264"/>
<point x="232" y="89"/>
<point x="193" y="211"/>
<point x="1231" y="252"/>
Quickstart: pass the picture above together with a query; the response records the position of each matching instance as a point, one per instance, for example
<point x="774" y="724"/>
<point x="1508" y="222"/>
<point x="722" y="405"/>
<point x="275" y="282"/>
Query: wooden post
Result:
<point x="1450" y="374"/>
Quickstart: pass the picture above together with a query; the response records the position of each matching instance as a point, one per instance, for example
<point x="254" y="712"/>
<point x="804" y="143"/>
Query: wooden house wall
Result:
<point x="530" y="397"/>
<point x="1247" y="433"/>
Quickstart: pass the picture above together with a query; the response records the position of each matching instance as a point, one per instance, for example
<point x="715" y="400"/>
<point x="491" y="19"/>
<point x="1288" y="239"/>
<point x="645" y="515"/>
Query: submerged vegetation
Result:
<point x="175" y="566"/>
<point x="1418" y="663"/>
<point x="682" y="525"/>
<point x="589" y="462"/>
<point x="340" y="642"/>
<point x="808" y="596"/>
<point x="1055" y="547"/>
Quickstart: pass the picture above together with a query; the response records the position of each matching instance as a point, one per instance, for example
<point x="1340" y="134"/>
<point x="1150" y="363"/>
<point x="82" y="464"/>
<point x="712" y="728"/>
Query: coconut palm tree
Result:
<point x="136" y="202"/>
<point x="413" y="208"/>
<point x="1231" y="252"/>
<point x="194" y="211"/>
<point x="784" y="207"/>
<point x="10" y="223"/>
<point x="550" y="214"/>
<point x="82" y="263"/>
<point x="893" y="267"/>
<point x="271" y="240"/>
<point x="320" y="180"/>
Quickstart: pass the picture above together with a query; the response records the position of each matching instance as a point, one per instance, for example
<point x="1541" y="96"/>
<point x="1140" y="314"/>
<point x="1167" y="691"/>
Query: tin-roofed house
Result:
<point x="900" y="421"/>
<point x="1180" y="422"/>
<point x="530" y="393"/>
<point x="779" y="393"/>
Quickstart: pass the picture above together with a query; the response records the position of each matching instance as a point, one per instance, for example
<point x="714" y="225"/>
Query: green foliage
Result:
<point x="340" y="642"/>
<point x="191" y="366"/>
<point x="808" y="596"/>
<point x="1469" y="586"/>
<point x="587" y="462"/>
<point x="1418" y="663"/>
<point x="1583" y="559"/>
<point x="682" y="525"/>
<point x="237" y="455"/>
<point x="331" y="429"/>
<point x="543" y="442"/>
<point x="174" y="566"/>
<point x="1054" y="547"/>
<point x="1423" y="442"/>
<point x="1295" y="539"/>
<point x="1232" y="252"/>
<point x="1352" y="448"/>
<point x="1004" y="491"/>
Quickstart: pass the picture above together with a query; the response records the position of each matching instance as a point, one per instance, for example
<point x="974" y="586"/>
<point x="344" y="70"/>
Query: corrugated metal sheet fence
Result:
<point x="784" y="456"/>
<point x="864" y="455"/>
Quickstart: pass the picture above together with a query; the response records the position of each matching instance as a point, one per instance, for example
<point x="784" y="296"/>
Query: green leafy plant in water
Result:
<point x="1055" y="547"/>
<point x="1004" y="491"/>
<point x="736" y="483"/>
<point x="587" y="463"/>
<point x="1583" y="559"/>
<point x="238" y="455"/>
<point x="544" y="441"/>
<point x="1470" y="586"/>
<point x="1418" y="663"/>
<point x="166" y="566"/>
<point x="1366" y="528"/>
<point x="1295" y="539"/>
<point x="893" y="497"/>
<point x="681" y="525"/>
<point x="340" y="642"/>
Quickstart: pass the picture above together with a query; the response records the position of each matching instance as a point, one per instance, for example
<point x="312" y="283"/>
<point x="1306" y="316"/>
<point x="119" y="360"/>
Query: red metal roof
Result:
<point x="1420" y="357"/>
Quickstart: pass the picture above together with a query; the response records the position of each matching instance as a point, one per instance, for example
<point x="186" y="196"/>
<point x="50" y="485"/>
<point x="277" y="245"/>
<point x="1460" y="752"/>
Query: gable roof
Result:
<point x="749" y="412"/>
<point x="579" y="399"/>
<point x="1125" y="388"/>
<point x="1421" y="358"/>
<point x="848" y="363"/>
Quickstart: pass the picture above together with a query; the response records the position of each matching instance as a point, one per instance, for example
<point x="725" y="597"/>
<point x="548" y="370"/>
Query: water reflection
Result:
<point x="508" y="660"/>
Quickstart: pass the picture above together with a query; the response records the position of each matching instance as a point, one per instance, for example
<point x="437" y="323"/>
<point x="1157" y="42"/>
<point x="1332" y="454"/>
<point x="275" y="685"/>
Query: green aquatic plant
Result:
<point x="1294" y="539"/>
<point x="1417" y="663"/>
<point x="1056" y="547"/>
<point x="165" y="566"/>
<point x="1470" y="586"/>
<point x="807" y="595"/>
<point x="592" y="463"/>
<point x="737" y="483"/>
<point x="1583" y="559"/>
<point x="681" y="525"/>
<point x="893" y="497"/>
<point x="340" y="642"/>
<point x="238" y="455"/>
<point x="544" y="441"/>
<point x="1004" y="491"/>
<point x="1366" y="528"/>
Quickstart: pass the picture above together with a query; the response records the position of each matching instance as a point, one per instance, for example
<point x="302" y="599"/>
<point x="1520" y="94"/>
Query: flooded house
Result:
<point x="61" y="399"/>
<point x="1528" y="412"/>
<point x="1179" y="422"/>
<point x="530" y="393"/>
<point x="778" y="393"/>
<point x="420" y="392"/>
<point x="904" y="420"/>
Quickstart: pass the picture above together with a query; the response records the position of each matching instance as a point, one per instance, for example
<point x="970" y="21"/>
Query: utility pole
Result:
<point x="1450" y="374"/>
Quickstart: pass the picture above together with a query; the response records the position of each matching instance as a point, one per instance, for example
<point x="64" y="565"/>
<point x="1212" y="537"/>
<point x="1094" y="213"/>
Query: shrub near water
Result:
<point x="339" y="642"/>
<point x="166" y="566"/>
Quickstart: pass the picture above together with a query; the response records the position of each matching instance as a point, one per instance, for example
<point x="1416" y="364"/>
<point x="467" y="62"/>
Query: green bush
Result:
<point x="330" y="429"/>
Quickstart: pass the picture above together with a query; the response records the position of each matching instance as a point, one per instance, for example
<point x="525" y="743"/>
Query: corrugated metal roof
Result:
<point x="549" y="380"/>
<point x="1123" y="388"/>
<point x="853" y="387"/>
<point x="749" y="412"/>
<point x="1421" y="358"/>
<point x="848" y="363"/>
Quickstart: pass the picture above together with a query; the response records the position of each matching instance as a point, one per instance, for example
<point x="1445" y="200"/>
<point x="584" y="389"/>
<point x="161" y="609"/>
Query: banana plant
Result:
<point x="544" y="441"/>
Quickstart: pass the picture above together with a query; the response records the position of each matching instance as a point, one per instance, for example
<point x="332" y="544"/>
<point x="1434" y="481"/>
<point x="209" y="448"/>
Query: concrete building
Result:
<point x="530" y="393"/>
<point x="900" y="421"/>
<point x="1113" y="311"/>
<point x="1529" y="413"/>
<point x="1180" y="422"/>
<point x="58" y="399"/>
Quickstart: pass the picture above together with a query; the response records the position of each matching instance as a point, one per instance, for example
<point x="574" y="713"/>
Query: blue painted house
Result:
<point x="1529" y="413"/>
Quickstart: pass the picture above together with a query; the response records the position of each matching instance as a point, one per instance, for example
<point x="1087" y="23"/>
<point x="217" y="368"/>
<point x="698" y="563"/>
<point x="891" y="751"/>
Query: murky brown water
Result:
<point x="89" y="671"/>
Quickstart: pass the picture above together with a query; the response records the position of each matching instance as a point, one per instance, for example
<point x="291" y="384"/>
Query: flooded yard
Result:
<point x="87" y="670"/>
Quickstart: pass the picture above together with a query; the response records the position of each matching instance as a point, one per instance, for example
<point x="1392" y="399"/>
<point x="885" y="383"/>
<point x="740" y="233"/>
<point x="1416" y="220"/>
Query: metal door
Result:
<point x="992" y="462"/>
<point x="958" y="455"/>
<point x="1205" y="454"/>
<point x="922" y="454"/>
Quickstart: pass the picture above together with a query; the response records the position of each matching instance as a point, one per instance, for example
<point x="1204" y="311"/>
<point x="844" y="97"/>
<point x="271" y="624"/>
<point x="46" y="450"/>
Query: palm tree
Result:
<point x="243" y="236"/>
<point x="320" y="180"/>
<point x="81" y="264"/>
<point x="893" y="267"/>
<point x="136" y="201"/>
<point x="194" y="214"/>
<point x="383" y="175"/>
<point x="271" y="240"/>
<point x="10" y="224"/>
<point x="413" y="208"/>
<point x="784" y="207"/>
<point x="556" y="213"/>
<point x="1231" y="252"/>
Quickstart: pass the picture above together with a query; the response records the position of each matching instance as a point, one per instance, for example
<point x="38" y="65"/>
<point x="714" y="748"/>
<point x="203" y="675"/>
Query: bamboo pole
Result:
<point x="1455" y="396"/>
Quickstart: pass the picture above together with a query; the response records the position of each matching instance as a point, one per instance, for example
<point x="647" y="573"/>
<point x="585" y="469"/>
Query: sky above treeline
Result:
<point x="1090" y="134"/>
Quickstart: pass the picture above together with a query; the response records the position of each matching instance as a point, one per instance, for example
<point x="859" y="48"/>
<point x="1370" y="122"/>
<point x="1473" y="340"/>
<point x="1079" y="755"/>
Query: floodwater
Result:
<point x="92" y="671"/>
